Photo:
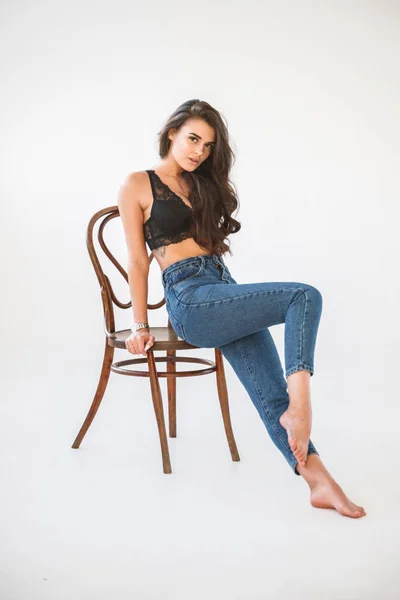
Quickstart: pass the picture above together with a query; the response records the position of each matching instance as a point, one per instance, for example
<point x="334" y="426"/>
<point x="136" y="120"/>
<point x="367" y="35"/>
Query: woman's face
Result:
<point x="193" y="140"/>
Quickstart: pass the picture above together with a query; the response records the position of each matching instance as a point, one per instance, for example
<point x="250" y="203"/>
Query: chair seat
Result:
<point x="165" y="339"/>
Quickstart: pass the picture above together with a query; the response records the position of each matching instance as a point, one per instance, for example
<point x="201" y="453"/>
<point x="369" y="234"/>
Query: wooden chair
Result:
<point x="165" y="340"/>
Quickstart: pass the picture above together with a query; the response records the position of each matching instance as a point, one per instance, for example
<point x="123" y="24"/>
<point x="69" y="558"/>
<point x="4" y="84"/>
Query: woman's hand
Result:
<point x="139" y="342"/>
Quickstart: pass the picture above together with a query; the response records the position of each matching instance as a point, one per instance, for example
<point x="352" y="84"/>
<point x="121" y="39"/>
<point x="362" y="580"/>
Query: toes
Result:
<point x="301" y="454"/>
<point x="352" y="512"/>
<point x="299" y="449"/>
<point x="357" y="508"/>
<point x="298" y="453"/>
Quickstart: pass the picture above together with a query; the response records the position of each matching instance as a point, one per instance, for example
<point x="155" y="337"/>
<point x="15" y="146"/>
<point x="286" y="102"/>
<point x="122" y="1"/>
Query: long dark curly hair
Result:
<point x="212" y="195"/>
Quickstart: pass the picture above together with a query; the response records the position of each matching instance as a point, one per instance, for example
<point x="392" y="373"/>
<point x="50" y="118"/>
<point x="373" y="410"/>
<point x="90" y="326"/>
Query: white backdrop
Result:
<point x="310" y="93"/>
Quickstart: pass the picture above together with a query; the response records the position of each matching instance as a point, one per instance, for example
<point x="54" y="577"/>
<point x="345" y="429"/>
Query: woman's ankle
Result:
<point x="314" y="470"/>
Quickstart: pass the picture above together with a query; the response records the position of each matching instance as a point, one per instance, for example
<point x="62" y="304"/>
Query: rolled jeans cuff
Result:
<point x="300" y="367"/>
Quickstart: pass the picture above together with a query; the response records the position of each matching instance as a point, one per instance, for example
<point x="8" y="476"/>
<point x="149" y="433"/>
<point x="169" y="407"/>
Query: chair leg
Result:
<point x="158" y="409"/>
<point x="101" y="388"/>
<point x="171" y="384"/>
<point x="223" y="400"/>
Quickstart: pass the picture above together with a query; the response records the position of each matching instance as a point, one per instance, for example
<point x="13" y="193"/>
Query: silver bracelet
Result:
<point x="137" y="326"/>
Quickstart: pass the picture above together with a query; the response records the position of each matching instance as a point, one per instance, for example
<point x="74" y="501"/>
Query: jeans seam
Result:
<point x="267" y="412"/>
<point x="177" y="320"/>
<point x="300" y="359"/>
<point x="233" y="298"/>
<point x="304" y="320"/>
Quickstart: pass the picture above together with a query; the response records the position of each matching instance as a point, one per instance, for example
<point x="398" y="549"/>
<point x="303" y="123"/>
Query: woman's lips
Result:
<point x="195" y="162"/>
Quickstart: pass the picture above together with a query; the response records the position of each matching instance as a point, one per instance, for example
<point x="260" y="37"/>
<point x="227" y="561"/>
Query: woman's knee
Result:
<point x="312" y="294"/>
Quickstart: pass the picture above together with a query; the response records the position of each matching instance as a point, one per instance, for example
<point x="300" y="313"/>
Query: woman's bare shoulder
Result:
<point x="136" y="178"/>
<point x="138" y="182"/>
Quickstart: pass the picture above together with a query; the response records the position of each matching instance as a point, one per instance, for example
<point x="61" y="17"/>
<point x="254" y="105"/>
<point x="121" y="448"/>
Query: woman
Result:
<point x="183" y="209"/>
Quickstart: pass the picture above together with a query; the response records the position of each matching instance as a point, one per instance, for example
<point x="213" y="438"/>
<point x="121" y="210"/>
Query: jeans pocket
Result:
<point x="184" y="273"/>
<point x="180" y="276"/>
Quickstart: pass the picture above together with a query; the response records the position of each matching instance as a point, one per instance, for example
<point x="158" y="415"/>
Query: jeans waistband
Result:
<point x="197" y="260"/>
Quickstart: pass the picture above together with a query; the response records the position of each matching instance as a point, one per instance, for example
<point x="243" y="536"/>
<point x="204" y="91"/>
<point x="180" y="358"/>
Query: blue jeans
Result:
<point x="209" y="309"/>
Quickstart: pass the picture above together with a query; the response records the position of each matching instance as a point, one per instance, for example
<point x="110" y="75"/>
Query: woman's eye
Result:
<point x="195" y="140"/>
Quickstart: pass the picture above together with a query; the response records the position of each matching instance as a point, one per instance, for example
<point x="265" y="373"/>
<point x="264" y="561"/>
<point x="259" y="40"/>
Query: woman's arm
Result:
<point x="131" y="213"/>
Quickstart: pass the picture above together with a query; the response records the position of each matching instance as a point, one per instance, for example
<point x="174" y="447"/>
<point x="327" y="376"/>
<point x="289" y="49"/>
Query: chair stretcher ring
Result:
<point x="117" y="367"/>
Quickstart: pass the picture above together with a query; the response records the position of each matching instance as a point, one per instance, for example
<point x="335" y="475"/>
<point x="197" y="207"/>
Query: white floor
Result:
<point x="104" y="521"/>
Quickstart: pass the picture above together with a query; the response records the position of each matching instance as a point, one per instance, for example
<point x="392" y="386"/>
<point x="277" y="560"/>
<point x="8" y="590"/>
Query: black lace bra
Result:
<point x="171" y="219"/>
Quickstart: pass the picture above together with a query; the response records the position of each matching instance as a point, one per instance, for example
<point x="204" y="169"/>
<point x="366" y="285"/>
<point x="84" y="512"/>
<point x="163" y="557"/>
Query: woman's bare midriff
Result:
<point x="167" y="255"/>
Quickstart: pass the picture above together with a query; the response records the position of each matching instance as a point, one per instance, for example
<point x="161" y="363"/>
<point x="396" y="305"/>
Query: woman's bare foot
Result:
<point x="325" y="492"/>
<point x="297" y="418"/>
<point x="297" y="422"/>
